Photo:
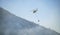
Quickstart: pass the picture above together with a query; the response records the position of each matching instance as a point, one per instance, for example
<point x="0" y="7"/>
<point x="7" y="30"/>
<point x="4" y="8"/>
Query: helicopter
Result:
<point x="34" y="11"/>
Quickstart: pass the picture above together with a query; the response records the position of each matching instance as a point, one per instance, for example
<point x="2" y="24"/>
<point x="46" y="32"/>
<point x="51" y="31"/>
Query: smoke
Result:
<point x="31" y="31"/>
<point x="26" y="31"/>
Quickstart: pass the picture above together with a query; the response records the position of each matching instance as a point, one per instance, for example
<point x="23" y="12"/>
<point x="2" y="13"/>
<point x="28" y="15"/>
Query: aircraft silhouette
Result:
<point x="34" y="11"/>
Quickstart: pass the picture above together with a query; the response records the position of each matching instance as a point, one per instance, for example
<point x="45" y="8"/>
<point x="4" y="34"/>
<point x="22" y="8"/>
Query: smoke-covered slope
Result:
<point x="13" y="25"/>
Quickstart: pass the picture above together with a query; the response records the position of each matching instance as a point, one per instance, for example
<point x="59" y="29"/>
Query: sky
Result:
<point x="48" y="11"/>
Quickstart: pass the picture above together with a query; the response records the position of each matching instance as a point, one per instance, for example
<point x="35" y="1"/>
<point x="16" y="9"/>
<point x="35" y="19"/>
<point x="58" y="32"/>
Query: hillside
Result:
<point x="13" y="25"/>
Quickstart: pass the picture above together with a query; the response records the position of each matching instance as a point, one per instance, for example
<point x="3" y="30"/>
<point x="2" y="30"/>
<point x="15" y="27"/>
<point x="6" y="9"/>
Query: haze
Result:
<point x="48" y="11"/>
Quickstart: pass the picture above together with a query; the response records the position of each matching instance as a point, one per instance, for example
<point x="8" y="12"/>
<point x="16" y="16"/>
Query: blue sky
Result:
<point x="47" y="13"/>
